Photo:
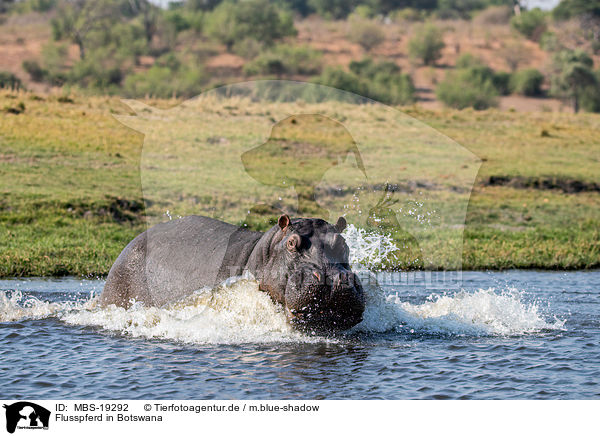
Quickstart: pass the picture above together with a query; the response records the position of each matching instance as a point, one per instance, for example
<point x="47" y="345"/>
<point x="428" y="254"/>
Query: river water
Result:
<point x="502" y="335"/>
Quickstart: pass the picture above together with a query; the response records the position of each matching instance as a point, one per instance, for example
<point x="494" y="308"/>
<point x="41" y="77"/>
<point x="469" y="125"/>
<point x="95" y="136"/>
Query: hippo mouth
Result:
<point x="325" y="320"/>
<point x="324" y="299"/>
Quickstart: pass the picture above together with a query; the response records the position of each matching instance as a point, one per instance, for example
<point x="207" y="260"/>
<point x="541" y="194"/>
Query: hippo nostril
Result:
<point x="342" y="279"/>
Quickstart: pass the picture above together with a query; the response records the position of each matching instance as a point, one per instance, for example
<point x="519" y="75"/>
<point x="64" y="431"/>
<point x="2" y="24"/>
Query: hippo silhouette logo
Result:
<point x="26" y="415"/>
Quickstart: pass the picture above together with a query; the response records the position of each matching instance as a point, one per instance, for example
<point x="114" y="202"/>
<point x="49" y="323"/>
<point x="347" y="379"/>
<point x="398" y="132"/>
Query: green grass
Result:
<point x="71" y="187"/>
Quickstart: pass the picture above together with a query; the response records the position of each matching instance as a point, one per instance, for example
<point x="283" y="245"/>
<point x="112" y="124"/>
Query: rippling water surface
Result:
<point x="516" y="334"/>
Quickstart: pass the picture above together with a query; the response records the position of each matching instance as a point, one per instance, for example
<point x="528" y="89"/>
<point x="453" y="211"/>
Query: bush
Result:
<point x="98" y="71"/>
<point x="340" y="79"/>
<point x="382" y="81"/>
<point x="467" y="88"/>
<point x="368" y="68"/>
<point x="501" y="81"/>
<point x="515" y="53"/>
<point x="258" y="19"/>
<point x="397" y="89"/>
<point x="590" y="100"/>
<point x="572" y="76"/>
<point x="35" y="71"/>
<point x="494" y="15"/>
<point x="531" y="24"/>
<point x="527" y="82"/>
<point x="366" y="33"/>
<point x="479" y="70"/>
<point x="181" y="19"/>
<point x="410" y="15"/>
<point x="248" y="48"/>
<point x="54" y="67"/>
<point x="10" y="81"/>
<point x="467" y="60"/>
<point x="364" y="11"/>
<point x="27" y="6"/>
<point x="453" y="9"/>
<point x="427" y="44"/>
<point x="333" y="9"/>
<point x="163" y="82"/>
<point x="286" y="59"/>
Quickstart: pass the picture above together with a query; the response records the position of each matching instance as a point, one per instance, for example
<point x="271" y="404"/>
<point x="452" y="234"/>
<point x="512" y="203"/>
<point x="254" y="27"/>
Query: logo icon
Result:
<point x="26" y="415"/>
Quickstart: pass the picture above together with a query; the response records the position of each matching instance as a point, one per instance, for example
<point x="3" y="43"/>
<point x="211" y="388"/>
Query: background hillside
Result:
<point x="508" y="55"/>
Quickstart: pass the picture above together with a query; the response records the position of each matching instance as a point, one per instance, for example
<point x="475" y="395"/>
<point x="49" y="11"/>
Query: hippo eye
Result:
<point x="338" y="249"/>
<point x="293" y="242"/>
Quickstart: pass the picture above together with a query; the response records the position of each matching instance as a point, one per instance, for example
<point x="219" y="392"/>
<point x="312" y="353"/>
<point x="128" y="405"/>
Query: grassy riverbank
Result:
<point x="71" y="197"/>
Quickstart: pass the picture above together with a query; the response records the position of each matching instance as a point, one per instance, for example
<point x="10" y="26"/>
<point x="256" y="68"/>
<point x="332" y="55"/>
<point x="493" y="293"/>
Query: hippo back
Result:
<point x="171" y="260"/>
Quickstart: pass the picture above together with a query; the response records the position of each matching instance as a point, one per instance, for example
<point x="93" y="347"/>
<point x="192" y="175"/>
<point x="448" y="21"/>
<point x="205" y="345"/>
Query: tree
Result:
<point x="258" y="19"/>
<point x="366" y="33"/>
<point x="587" y="11"/>
<point x="5" y="5"/>
<point x="427" y="44"/>
<point x="531" y="24"/>
<point x="467" y="87"/>
<point x="78" y="19"/>
<point x="572" y="74"/>
<point x="333" y="9"/>
<point x="149" y="16"/>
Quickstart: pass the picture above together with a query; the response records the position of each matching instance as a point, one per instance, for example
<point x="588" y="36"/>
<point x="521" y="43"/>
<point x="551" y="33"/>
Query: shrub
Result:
<point x="176" y="19"/>
<point x="364" y="11"/>
<point x="35" y="71"/>
<point x="515" y="53"/>
<point x="162" y="82"/>
<point x="410" y="15"/>
<point x="248" y="48"/>
<point x="340" y="79"/>
<point x="182" y="19"/>
<point x="590" y="100"/>
<point x="549" y="41"/>
<point x="479" y="70"/>
<point x="392" y="89"/>
<point x="366" y="33"/>
<point x="286" y="59"/>
<point x="531" y="24"/>
<point x="427" y="44"/>
<point x="467" y="60"/>
<point x="501" y="81"/>
<point x="451" y="9"/>
<point x="467" y="88"/>
<point x="368" y="68"/>
<point x="572" y="76"/>
<point x="10" y="81"/>
<point x="333" y="9"/>
<point x="527" y="82"/>
<point x="494" y="15"/>
<point x="26" y="6"/>
<point x="258" y="19"/>
<point x="382" y="81"/>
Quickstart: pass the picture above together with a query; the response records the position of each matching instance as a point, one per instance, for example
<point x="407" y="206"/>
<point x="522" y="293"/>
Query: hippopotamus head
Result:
<point x="305" y="268"/>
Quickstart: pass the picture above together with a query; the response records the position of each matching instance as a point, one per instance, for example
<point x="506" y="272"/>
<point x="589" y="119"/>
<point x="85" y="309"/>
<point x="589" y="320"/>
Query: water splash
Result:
<point x="238" y="312"/>
<point x="14" y="306"/>
<point x="483" y="312"/>
<point x="229" y="314"/>
<point x="369" y="249"/>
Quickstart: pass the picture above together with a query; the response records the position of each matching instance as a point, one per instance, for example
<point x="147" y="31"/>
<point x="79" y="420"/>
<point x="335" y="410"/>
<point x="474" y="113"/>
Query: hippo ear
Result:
<point x="284" y="221"/>
<point x="340" y="226"/>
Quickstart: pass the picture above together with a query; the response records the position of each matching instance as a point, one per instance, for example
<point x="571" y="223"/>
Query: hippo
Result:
<point x="302" y="263"/>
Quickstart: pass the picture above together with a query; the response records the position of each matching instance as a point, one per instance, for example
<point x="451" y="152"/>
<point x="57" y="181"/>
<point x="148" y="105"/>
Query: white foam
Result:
<point x="369" y="249"/>
<point x="234" y="313"/>
<point x="14" y="306"/>
<point x="474" y="313"/>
